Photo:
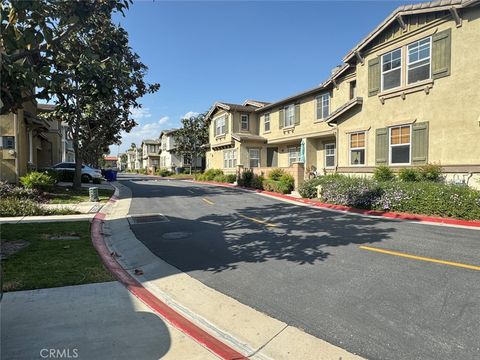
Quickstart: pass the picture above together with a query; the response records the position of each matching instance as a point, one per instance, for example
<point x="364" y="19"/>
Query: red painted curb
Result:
<point x="387" y="214"/>
<point x="136" y="288"/>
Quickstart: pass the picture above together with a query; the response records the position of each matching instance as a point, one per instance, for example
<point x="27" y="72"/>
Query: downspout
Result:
<point x="17" y="163"/>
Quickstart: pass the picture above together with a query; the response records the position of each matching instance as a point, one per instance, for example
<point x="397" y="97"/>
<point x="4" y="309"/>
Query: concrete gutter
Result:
<point x="220" y="323"/>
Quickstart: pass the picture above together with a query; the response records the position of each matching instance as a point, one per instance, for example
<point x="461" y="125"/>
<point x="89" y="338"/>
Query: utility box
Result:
<point x="93" y="193"/>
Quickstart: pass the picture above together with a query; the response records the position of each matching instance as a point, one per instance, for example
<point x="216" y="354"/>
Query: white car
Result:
<point x="88" y="173"/>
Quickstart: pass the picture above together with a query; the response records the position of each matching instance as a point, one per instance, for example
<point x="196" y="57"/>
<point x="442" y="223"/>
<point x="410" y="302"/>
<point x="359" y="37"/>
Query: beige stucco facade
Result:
<point x="445" y="108"/>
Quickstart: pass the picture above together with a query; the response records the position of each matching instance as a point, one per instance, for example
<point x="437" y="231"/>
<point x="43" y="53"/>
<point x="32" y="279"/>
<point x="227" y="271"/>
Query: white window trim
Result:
<point x="320" y="98"/>
<point x="285" y="116"/>
<point x="334" y="155"/>
<point x="242" y="116"/>
<point x="297" y="157"/>
<point x="429" y="58"/>
<point x="254" y="158"/>
<point x="215" y="121"/>
<point x="265" y="122"/>
<point x="356" y="148"/>
<point x="390" y="145"/>
<point x="388" y="71"/>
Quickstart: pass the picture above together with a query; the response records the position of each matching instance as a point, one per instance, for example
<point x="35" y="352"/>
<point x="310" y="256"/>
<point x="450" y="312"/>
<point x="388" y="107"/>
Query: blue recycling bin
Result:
<point x="109" y="175"/>
<point x="114" y="175"/>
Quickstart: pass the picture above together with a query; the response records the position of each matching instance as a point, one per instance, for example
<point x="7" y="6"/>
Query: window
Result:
<point x="330" y="155"/>
<point x="400" y="145"/>
<point x="357" y="148"/>
<point x="244" y="122"/>
<point x="391" y="69"/>
<point x="220" y="127"/>
<point x="323" y="106"/>
<point x="419" y="59"/>
<point x="289" y="115"/>
<point x="254" y="157"/>
<point x="293" y="155"/>
<point x="8" y="142"/>
<point x="353" y="89"/>
<point x="266" y="123"/>
<point x="230" y="158"/>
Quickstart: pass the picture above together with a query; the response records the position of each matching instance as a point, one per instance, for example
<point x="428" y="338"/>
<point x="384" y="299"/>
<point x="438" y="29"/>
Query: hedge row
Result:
<point x="421" y="197"/>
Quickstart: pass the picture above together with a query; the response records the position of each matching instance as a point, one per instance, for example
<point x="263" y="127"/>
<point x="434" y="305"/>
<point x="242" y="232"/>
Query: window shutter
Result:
<point x="297" y="114"/>
<point x="381" y="146"/>
<point x="441" y="53"/>
<point x="281" y="115"/>
<point x="215" y="128"/>
<point x="226" y="124"/>
<point x="420" y="143"/>
<point x="374" y="76"/>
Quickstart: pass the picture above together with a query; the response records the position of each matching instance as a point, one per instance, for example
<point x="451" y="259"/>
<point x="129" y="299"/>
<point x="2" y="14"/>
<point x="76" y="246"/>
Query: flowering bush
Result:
<point x="17" y="192"/>
<point x="350" y="191"/>
<point x="309" y="188"/>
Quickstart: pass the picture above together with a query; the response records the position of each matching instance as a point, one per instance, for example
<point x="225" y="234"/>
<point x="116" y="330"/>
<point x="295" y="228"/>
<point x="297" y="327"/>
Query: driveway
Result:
<point x="321" y="270"/>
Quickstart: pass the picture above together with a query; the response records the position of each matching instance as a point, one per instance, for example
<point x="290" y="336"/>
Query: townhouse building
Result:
<point x="169" y="158"/>
<point x="150" y="154"/>
<point x="405" y="96"/>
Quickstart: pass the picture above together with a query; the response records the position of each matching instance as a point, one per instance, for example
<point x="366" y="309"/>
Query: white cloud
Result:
<point x="190" y="114"/>
<point x="140" y="113"/>
<point x="141" y="132"/>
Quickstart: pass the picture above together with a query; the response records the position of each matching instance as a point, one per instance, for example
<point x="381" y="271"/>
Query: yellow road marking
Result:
<point x="257" y="220"/>
<point x="421" y="258"/>
<point x="208" y="201"/>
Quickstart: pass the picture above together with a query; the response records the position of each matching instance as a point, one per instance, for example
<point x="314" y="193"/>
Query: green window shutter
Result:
<point x="297" y="114"/>
<point x="373" y="76"/>
<point x="420" y="143"/>
<point x="381" y="146"/>
<point x="281" y="114"/>
<point x="215" y="128"/>
<point x="226" y="124"/>
<point x="441" y="53"/>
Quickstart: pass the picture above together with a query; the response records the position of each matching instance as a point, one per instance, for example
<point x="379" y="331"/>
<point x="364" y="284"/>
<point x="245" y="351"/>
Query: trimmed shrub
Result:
<point x="26" y="207"/>
<point x="408" y="175"/>
<point x="430" y="172"/>
<point x="210" y="174"/>
<point x="230" y="178"/>
<point x="220" y="178"/>
<point x="350" y="191"/>
<point x="251" y="180"/>
<point x="288" y="181"/>
<point x="383" y="173"/>
<point x="429" y="198"/>
<point x="164" y="172"/>
<point x="276" y="186"/>
<point x="37" y="180"/>
<point x="309" y="188"/>
<point x="276" y="174"/>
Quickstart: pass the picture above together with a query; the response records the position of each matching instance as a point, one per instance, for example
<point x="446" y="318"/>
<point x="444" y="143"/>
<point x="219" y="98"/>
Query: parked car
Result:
<point x="88" y="173"/>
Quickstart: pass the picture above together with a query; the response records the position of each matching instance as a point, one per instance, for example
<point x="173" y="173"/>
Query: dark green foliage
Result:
<point x="409" y="174"/>
<point x="250" y="180"/>
<point x="276" y="174"/>
<point x="309" y="188"/>
<point x="37" y="180"/>
<point x="25" y="207"/>
<point x="230" y="178"/>
<point x="164" y="172"/>
<point x="383" y="173"/>
<point x="209" y="175"/>
<point x="430" y="172"/>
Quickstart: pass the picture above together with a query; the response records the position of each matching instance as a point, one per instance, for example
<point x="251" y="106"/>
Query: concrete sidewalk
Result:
<point x="93" y="321"/>
<point x="245" y="329"/>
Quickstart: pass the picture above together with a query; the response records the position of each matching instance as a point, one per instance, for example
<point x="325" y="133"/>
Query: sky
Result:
<point x="201" y="52"/>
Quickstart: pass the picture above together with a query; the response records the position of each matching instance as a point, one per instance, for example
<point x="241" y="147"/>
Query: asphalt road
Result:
<point x="305" y="266"/>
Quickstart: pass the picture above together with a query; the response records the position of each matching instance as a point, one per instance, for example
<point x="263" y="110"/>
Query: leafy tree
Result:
<point x="31" y="33"/>
<point x="133" y="146"/>
<point x="191" y="138"/>
<point x="124" y="158"/>
<point x="98" y="80"/>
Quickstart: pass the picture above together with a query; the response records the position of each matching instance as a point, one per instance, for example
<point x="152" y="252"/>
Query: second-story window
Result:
<point x="244" y="122"/>
<point x="220" y="127"/>
<point x="289" y="115"/>
<point x="418" y="63"/>
<point x="266" y="123"/>
<point x="392" y="69"/>
<point x="323" y="106"/>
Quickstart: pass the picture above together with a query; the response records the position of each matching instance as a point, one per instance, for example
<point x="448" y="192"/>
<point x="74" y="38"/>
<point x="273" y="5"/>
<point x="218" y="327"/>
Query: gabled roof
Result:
<point x="230" y="107"/>
<point x="168" y="132"/>
<point x="255" y="103"/>
<point x="151" y="141"/>
<point x="344" y="108"/>
<point x="410" y="9"/>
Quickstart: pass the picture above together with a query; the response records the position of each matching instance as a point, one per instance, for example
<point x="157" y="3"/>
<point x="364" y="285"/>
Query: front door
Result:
<point x="272" y="157"/>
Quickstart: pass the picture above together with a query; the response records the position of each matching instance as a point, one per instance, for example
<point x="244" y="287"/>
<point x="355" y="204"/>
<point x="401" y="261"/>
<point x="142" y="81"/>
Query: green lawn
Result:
<point x="48" y="263"/>
<point x="66" y="195"/>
